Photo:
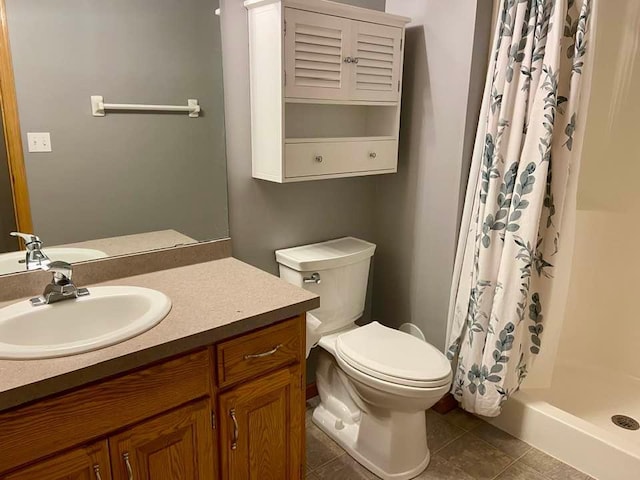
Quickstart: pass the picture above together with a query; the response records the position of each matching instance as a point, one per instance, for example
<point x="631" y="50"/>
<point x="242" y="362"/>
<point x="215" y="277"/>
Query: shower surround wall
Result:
<point x="601" y="327"/>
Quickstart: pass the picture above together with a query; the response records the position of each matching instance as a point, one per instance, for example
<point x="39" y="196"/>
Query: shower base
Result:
<point x="572" y="420"/>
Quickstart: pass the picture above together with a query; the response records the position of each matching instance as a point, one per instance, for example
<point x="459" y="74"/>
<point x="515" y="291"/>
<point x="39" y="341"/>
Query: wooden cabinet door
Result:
<point x="315" y="49"/>
<point x="174" y="446"/>
<point x="85" y="463"/>
<point x="262" y="428"/>
<point x="376" y="71"/>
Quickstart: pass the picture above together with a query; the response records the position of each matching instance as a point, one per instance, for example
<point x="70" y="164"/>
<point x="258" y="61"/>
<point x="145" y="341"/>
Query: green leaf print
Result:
<point x="569" y="131"/>
<point x="502" y="346"/>
<point x="475" y="315"/>
<point x="580" y="48"/>
<point x="504" y="200"/>
<point x="535" y="314"/>
<point x="489" y="168"/>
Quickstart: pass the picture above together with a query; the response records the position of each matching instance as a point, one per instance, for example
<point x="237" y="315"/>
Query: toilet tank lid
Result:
<point x="325" y="255"/>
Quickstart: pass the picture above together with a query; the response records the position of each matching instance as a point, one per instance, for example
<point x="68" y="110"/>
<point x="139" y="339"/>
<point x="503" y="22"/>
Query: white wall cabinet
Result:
<point x="326" y="84"/>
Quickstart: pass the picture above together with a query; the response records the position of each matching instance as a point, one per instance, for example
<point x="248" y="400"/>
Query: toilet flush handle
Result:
<point x="314" y="278"/>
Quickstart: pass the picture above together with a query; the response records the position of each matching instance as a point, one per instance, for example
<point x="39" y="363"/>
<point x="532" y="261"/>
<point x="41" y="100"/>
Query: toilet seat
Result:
<point x="393" y="357"/>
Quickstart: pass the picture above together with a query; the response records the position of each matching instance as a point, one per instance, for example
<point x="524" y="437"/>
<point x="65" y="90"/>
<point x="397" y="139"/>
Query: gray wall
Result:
<point x="7" y="214"/>
<point x="124" y="173"/>
<point x="266" y="216"/>
<point x="412" y="216"/>
<point x="418" y="209"/>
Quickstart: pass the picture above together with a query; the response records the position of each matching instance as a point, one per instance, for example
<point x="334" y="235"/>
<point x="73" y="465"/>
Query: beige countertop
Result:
<point x="211" y="301"/>
<point x="140" y="242"/>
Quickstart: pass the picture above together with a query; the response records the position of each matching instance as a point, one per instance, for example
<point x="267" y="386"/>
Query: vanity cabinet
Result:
<point x="326" y="84"/>
<point x="233" y="410"/>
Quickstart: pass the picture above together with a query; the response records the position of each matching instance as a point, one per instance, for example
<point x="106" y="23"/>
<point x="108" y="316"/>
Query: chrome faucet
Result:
<point x="35" y="257"/>
<point x="61" y="286"/>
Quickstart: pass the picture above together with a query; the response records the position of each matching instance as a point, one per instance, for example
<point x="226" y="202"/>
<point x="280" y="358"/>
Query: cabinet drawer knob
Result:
<point x="319" y="158"/>
<point x="127" y="463"/>
<point x="96" y="470"/>
<point x="263" y="354"/>
<point x="372" y="155"/>
<point x="236" y="430"/>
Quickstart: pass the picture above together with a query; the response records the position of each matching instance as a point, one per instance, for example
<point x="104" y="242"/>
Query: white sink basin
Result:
<point x="108" y="315"/>
<point x="10" y="262"/>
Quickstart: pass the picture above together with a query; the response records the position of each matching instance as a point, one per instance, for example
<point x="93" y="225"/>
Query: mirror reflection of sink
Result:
<point x="10" y="262"/>
<point x="108" y="315"/>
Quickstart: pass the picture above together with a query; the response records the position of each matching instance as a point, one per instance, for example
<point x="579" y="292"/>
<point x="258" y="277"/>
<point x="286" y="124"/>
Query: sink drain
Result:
<point x="625" y="422"/>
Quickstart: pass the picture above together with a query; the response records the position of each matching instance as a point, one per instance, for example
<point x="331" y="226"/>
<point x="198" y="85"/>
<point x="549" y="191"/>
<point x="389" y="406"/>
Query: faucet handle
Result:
<point x="28" y="238"/>
<point x="62" y="272"/>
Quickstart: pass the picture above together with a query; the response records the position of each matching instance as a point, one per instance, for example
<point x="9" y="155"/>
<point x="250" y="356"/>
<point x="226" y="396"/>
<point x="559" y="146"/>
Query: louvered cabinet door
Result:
<point x="316" y="46"/>
<point x="377" y="51"/>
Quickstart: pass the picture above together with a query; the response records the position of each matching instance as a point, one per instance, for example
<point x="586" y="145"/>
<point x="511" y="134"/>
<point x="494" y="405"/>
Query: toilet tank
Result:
<point x="338" y="271"/>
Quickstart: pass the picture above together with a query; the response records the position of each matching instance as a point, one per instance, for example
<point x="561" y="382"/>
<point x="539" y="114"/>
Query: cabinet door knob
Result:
<point x="96" y="470"/>
<point x="319" y="158"/>
<point x="355" y="60"/>
<point x="348" y="60"/>
<point x="127" y="463"/>
<point x="372" y="155"/>
<point x="236" y="430"/>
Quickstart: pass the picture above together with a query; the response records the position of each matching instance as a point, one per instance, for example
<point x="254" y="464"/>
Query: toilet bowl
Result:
<point x="374" y="382"/>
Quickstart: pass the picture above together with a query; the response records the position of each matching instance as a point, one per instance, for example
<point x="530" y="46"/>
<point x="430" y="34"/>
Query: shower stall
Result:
<point x="587" y="412"/>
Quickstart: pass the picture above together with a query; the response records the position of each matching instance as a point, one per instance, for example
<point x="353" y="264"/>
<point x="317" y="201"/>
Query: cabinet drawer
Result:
<point x="256" y="353"/>
<point x="331" y="158"/>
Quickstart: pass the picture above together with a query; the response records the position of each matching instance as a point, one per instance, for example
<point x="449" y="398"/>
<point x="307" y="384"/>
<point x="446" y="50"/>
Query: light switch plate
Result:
<point x="39" y="141"/>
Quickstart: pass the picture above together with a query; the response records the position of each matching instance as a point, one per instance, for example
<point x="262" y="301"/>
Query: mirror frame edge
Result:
<point x="12" y="133"/>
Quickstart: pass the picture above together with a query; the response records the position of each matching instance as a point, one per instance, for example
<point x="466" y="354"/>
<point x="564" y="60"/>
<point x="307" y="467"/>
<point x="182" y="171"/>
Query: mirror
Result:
<point x="129" y="180"/>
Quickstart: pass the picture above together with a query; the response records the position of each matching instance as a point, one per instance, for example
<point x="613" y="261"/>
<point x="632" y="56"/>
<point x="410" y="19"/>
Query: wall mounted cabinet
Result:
<point x="326" y="82"/>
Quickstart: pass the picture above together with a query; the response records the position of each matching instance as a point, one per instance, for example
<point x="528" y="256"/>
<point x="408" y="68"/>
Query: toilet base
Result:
<point x="368" y="434"/>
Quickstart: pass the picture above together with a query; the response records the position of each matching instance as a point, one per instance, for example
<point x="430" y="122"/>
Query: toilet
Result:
<point x="374" y="382"/>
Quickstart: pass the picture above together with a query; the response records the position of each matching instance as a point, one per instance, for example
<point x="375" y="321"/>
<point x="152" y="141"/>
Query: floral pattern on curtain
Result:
<point x="510" y="235"/>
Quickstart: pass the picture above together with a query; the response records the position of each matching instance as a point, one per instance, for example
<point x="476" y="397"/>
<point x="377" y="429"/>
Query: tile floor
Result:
<point x="463" y="447"/>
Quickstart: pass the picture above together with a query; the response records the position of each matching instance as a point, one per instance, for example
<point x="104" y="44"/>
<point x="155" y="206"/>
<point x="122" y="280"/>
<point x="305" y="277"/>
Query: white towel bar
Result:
<point x="98" y="107"/>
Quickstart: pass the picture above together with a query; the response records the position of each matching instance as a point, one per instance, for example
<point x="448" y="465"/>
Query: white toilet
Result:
<point x="375" y="383"/>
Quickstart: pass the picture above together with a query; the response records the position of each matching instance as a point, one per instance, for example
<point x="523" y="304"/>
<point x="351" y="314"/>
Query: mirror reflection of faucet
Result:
<point x="35" y="258"/>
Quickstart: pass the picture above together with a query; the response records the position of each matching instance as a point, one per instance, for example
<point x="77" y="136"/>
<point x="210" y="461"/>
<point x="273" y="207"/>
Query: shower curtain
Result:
<point x="524" y="159"/>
